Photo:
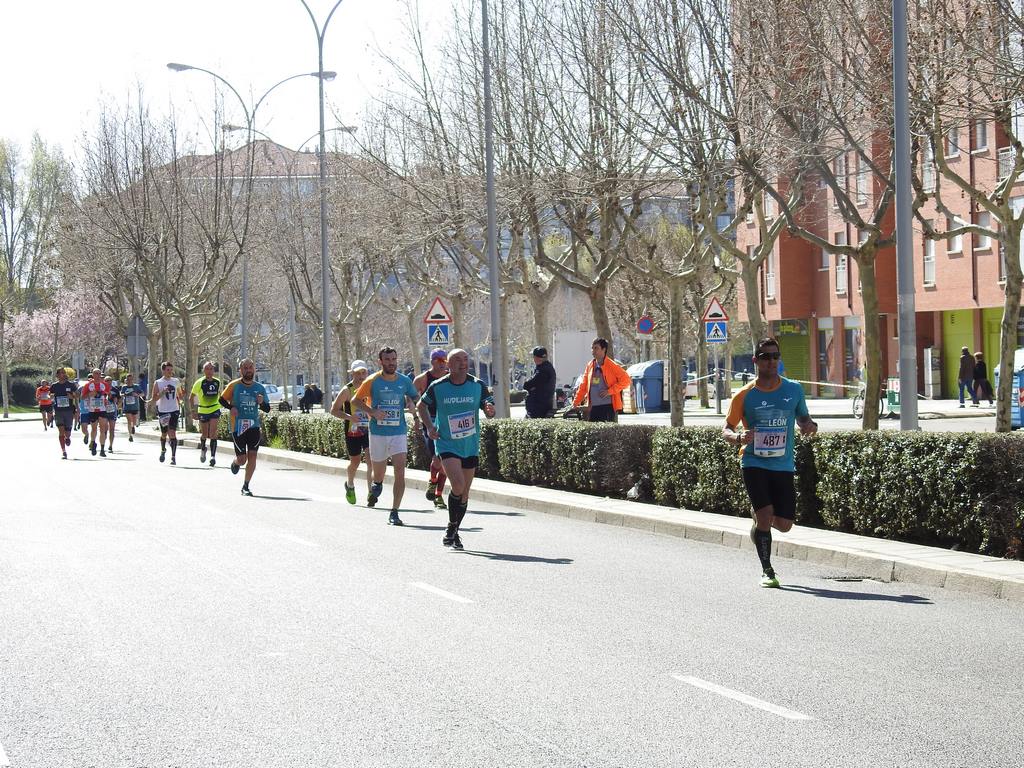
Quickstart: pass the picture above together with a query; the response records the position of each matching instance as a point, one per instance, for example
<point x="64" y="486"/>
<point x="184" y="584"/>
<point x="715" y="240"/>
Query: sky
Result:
<point x="62" y="59"/>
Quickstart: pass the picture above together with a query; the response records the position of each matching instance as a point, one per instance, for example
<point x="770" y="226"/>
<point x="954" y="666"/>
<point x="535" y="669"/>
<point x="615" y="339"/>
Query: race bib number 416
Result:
<point x="462" y="425"/>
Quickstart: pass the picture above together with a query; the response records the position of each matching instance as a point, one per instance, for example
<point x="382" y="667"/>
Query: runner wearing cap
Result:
<point x="438" y="369"/>
<point x="385" y="396"/>
<point x="132" y="397"/>
<point x="357" y="429"/>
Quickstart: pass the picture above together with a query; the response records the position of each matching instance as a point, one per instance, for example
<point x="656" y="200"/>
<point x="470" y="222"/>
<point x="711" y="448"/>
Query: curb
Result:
<point x="876" y="559"/>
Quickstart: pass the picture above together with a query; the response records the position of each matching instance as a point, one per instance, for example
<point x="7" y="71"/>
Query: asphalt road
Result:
<point x="151" y="616"/>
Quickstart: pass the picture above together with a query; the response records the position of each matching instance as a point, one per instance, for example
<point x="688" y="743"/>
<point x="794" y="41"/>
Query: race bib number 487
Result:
<point x="770" y="442"/>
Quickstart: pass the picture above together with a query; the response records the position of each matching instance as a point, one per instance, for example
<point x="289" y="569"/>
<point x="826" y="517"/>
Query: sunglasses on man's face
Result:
<point x="768" y="355"/>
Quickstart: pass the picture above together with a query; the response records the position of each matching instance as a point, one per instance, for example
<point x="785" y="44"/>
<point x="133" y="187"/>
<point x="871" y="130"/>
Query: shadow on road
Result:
<point x="281" y="498"/>
<point x="519" y="558"/>
<point x="439" y="528"/>
<point x="495" y="512"/>
<point x="837" y="594"/>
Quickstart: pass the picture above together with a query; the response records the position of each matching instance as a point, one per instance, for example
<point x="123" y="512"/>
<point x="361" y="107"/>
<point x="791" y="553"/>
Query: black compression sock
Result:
<point x="213" y="447"/>
<point x="174" y="446"/>
<point x="763" y="544"/>
<point x="202" y="443"/>
<point x="454" y="505"/>
<point x="163" y="444"/>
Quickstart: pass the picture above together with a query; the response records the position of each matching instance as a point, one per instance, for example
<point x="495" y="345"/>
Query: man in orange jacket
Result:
<point x="602" y="385"/>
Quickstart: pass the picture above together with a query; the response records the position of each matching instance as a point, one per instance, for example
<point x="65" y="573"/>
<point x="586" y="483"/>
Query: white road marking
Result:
<point x="4" y="762"/>
<point x="298" y="540"/>
<point x="743" y="698"/>
<point x="449" y="595"/>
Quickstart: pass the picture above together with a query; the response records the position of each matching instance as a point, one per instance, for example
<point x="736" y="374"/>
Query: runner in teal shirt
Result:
<point x="456" y="401"/>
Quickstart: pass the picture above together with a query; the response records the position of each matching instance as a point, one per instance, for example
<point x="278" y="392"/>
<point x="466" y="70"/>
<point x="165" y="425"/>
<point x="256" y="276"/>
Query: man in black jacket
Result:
<point x="540" y="388"/>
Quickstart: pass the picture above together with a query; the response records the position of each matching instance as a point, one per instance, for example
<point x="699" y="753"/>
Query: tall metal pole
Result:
<point x="904" y="221"/>
<point x="497" y="341"/>
<point x="293" y="366"/>
<point x="243" y="342"/>
<point x="325" y="296"/>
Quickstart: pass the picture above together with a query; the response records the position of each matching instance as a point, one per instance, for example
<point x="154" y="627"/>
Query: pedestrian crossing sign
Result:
<point x="716" y="331"/>
<point x="439" y="334"/>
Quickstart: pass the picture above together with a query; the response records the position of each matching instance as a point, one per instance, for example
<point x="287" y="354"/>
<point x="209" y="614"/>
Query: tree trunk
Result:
<point x="542" y="335"/>
<point x="701" y="360"/>
<point x="191" y="362"/>
<point x="416" y="331"/>
<point x="599" y="306"/>
<point x="872" y="343"/>
<point x="752" y="297"/>
<point x="5" y="388"/>
<point x="1006" y="391"/>
<point x="459" y="321"/>
<point x="676" y="360"/>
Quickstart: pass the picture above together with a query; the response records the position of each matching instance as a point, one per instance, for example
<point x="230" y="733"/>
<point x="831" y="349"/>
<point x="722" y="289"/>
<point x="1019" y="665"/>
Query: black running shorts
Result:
<point x="168" y="420"/>
<point x="356" y="444"/>
<point x="247" y="442"/>
<point x="468" y="462"/>
<point x="766" y="487"/>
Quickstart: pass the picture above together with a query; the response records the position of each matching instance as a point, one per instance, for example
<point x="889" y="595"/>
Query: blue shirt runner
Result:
<point x="457" y="414"/>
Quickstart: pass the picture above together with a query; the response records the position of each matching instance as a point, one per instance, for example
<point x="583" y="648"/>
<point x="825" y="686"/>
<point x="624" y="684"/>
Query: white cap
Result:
<point x="358" y="365"/>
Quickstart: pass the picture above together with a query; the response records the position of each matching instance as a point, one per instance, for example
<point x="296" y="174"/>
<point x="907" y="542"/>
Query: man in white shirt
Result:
<point x="167" y="394"/>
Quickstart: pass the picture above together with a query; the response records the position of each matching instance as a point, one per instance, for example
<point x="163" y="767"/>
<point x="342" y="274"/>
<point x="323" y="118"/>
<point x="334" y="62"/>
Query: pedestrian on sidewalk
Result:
<point x="965" y="377"/>
<point x="540" y="388"/>
<point x="982" y="386"/>
<point x="761" y="423"/>
<point x="602" y="385"/>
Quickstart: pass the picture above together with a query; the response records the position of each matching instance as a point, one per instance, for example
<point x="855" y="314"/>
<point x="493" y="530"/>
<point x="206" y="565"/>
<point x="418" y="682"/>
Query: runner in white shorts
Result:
<point x="385" y="396"/>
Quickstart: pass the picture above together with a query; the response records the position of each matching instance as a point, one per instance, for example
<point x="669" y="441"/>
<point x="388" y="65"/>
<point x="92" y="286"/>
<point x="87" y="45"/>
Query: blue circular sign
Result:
<point x="645" y="324"/>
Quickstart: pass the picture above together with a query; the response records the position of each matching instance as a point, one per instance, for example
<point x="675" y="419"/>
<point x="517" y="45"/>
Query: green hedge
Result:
<point x="942" y="489"/>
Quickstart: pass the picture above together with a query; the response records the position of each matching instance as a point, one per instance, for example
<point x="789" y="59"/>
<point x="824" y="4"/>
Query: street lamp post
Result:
<point x="325" y="297"/>
<point x="497" y="346"/>
<point x="250" y="128"/>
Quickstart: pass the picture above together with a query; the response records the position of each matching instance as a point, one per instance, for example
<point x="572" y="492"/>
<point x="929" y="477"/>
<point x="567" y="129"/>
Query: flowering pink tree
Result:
<point x="75" y="323"/>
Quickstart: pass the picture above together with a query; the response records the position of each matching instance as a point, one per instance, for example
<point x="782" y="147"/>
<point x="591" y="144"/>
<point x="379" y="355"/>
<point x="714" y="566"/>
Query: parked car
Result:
<point x="275" y="393"/>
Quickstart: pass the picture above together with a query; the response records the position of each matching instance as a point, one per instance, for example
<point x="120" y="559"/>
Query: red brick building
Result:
<point x="812" y="301"/>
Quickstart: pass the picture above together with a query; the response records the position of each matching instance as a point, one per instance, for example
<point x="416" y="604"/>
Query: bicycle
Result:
<point x="858" y="402"/>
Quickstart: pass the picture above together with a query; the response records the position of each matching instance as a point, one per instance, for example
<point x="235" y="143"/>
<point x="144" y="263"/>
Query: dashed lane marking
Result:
<point x="743" y="698"/>
<point x="298" y="540"/>
<point x="440" y="592"/>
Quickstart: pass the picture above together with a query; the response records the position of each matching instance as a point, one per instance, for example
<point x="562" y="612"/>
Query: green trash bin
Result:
<point x="892" y="394"/>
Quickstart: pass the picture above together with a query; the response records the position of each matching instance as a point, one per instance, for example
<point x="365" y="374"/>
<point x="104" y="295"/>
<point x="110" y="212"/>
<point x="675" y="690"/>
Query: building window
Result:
<point x="769" y="275"/>
<point x="863" y="180"/>
<point x="826" y="261"/>
<point x="955" y="244"/>
<point x="979" y="135"/>
<point x="769" y="206"/>
<point x="928" y="166"/>
<point x="862" y="236"/>
<point x="839" y="171"/>
<point x="929" y="261"/>
<point x="953" y="142"/>
<point x="983" y="242"/>
<point x="841" y="278"/>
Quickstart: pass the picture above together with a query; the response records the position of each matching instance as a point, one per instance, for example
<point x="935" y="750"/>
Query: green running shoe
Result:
<point x="350" y="493"/>
<point x="769" y="580"/>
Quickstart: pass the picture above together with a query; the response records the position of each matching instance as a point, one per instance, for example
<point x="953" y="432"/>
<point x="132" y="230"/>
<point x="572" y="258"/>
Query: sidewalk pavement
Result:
<point x="867" y="557"/>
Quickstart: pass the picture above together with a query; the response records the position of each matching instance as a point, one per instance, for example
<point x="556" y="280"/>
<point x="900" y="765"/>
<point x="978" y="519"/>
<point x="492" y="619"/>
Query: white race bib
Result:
<point x="129" y="399"/>
<point x="165" y="419"/>
<point x="392" y="417"/>
<point x="770" y="442"/>
<point x="243" y="424"/>
<point x="462" y="424"/>
<point x="63" y="401"/>
<point x="363" y="419"/>
<point x="96" y="403"/>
